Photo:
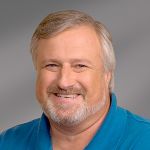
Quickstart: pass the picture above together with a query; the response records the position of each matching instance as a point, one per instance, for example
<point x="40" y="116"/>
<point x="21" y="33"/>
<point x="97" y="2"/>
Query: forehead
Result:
<point x="80" y="41"/>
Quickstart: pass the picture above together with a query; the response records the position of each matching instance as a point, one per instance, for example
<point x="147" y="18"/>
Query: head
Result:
<point x="75" y="62"/>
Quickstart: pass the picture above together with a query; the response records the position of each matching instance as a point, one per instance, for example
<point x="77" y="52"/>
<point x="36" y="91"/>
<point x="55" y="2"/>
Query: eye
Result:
<point x="80" y="67"/>
<point x="52" y="67"/>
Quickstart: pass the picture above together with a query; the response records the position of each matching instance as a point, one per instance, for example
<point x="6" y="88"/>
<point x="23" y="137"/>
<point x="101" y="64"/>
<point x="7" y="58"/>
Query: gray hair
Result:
<point x="60" y="21"/>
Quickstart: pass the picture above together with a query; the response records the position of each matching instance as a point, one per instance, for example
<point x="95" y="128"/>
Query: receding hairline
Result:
<point x="59" y="21"/>
<point x="35" y="50"/>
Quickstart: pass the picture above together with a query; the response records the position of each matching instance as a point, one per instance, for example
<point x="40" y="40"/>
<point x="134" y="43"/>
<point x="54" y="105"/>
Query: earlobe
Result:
<point x="108" y="77"/>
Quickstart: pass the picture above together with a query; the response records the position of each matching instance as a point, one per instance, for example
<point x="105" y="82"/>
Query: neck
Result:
<point x="68" y="137"/>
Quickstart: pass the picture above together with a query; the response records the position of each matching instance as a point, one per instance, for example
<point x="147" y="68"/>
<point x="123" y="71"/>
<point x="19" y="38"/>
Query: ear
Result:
<point x="108" y="77"/>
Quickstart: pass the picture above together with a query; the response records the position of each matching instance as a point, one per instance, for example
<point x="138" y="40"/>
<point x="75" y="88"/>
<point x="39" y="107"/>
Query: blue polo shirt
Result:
<point x="121" y="130"/>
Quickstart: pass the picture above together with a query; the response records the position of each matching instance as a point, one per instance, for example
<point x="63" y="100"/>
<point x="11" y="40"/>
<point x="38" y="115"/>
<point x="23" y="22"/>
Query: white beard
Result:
<point x="82" y="112"/>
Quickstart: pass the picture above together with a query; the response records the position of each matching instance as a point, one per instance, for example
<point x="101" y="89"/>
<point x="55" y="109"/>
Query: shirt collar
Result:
<point x="111" y="129"/>
<point x="43" y="135"/>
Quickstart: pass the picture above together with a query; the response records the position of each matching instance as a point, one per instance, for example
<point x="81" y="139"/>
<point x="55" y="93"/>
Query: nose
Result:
<point x="66" y="77"/>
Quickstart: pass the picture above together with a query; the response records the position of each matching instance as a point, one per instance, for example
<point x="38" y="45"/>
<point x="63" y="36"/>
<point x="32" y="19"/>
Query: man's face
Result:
<point x="71" y="80"/>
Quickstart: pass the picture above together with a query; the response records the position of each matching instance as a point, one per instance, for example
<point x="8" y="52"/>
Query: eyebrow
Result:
<point x="81" y="60"/>
<point x="73" y="60"/>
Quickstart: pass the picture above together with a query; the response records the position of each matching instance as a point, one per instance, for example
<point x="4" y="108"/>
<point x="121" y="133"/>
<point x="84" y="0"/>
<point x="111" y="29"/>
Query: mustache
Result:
<point x="66" y="91"/>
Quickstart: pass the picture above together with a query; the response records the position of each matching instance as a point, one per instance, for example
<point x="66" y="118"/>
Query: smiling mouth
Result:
<point x="70" y="96"/>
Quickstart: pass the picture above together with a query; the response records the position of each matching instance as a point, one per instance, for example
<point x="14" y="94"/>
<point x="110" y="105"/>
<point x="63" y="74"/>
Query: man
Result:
<point x="74" y="61"/>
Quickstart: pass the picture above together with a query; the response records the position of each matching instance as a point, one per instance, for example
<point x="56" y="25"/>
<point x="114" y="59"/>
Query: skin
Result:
<point x="72" y="61"/>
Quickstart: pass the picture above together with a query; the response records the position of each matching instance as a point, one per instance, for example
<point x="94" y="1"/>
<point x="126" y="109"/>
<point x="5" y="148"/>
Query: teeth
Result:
<point x="66" y="96"/>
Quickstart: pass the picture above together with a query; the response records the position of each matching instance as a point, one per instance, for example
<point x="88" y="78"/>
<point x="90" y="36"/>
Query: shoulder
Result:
<point x="136" y="122"/>
<point x="17" y="134"/>
<point x="143" y="141"/>
<point x="137" y="132"/>
<point x="139" y="127"/>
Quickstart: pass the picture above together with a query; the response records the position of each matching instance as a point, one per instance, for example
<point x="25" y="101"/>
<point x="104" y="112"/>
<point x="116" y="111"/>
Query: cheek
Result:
<point x="94" y="85"/>
<point x="43" y="81"/>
